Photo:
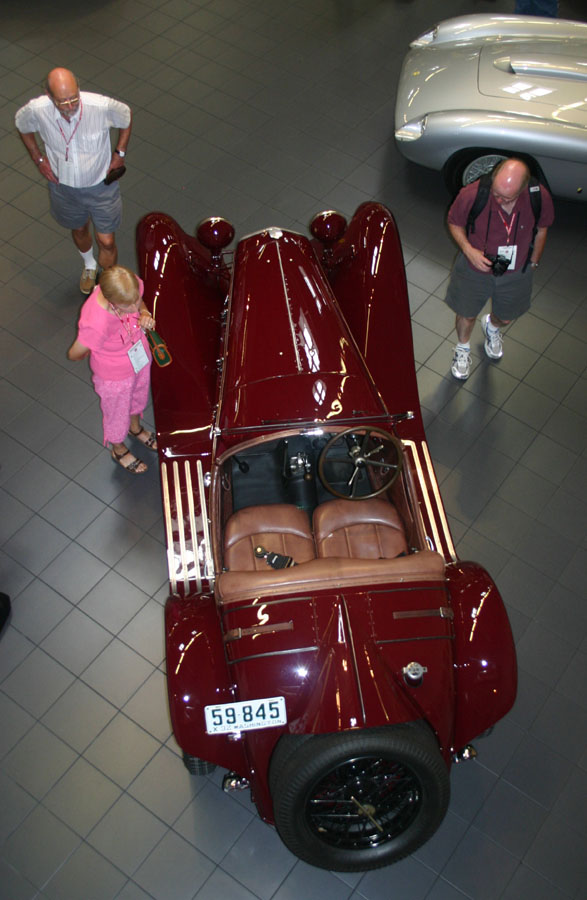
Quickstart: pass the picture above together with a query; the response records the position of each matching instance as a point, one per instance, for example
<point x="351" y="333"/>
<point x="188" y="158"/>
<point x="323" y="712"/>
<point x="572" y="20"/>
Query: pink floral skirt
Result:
<point x="120" y="400"/>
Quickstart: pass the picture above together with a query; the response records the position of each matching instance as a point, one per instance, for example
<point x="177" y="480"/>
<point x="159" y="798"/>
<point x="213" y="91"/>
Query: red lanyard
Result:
<point x="68" y="142"/>
<point x="124" y="324"/>
<point x="508" y="228"/>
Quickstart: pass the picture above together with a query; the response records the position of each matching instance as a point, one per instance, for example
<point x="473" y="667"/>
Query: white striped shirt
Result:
<point x="89" y="148"/>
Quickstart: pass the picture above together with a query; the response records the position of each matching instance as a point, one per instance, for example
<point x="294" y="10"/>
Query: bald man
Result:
<point x="75" y="128"/>
<point x="504" y="229"/>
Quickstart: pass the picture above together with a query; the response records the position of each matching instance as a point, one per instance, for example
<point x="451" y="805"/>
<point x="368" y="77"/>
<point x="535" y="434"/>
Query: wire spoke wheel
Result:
<point x="364" y="803"/>
<point x="360" y="799"/>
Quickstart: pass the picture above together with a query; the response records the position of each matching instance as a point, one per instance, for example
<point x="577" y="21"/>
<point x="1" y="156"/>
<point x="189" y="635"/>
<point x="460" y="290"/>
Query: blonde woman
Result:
<point x="111" y="331"/>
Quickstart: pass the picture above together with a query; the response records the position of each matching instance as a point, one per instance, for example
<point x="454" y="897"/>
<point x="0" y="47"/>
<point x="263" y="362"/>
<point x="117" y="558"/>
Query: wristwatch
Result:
<point x="534" y="265"/>
<point x="121" y="153"/>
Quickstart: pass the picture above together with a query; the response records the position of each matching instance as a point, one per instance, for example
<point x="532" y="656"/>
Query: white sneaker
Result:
<point x="493" y="339"/>
<point x="461" y="363"/>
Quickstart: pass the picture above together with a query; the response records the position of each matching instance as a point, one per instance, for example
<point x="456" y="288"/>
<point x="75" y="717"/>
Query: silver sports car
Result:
<point x="478" y="88"/>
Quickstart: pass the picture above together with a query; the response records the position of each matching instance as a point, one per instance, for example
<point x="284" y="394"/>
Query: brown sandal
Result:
<point x="148" y="438"/>
<point x="133" y="465"/>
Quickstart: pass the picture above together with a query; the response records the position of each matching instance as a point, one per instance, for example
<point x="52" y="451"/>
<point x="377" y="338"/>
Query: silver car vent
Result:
<point x="571" y="71"/>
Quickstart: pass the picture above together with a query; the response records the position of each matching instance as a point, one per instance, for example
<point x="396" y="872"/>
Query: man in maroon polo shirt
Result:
<point x="497" y="258"/>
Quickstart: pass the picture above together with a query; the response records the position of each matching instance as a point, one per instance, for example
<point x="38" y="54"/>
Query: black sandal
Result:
<point x="133" y="465"/>
<point x="150" y="442"/>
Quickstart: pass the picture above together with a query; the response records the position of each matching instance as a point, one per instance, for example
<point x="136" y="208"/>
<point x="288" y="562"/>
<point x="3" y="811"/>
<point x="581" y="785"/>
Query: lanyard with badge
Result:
<point x="136" y="353"/>
<point x="506" y="251"/>
<point x="66" y="164"/>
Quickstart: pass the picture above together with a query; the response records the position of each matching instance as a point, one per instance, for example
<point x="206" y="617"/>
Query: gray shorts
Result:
<point x="469" y="290"/>
<point x="73" y="207"/>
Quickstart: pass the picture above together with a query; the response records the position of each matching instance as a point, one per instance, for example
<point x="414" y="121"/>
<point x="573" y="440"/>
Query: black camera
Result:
<point x="499" y="264"/>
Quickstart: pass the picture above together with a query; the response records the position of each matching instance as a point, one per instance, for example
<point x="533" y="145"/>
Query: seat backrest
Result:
<point x="359" y="529"/>
<point x="278" y="527"/>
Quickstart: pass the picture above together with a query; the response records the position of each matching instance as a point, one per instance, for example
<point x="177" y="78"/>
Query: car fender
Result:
<point x="199" y="677"/>
<point x="450" y="132"/>
<point x="484" y="652"/>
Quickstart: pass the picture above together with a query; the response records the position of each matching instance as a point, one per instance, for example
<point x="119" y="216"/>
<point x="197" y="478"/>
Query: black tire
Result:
<point x="359" y="800"/>
<point x="197" y="766"/>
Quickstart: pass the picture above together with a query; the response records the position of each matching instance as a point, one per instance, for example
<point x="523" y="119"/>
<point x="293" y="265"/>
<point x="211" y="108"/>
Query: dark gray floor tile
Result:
<point x="528" y="883"/>
<point x="480" y="867"/>
<point x="537" y="771"/>
<point x="510" y="818"/>
<point x="558" y="855"/>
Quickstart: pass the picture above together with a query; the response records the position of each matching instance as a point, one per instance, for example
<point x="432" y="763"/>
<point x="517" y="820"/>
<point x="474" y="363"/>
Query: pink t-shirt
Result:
<point x="520" y="222"/>
<point x="109" y="338"/>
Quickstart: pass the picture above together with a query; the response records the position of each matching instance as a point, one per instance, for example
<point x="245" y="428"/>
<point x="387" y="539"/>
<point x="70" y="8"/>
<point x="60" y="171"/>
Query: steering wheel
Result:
<point x="359" y="450"/>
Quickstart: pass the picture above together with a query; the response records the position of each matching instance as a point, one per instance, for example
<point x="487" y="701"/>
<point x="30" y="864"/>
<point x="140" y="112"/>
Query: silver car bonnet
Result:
<point x="543" y="78"/>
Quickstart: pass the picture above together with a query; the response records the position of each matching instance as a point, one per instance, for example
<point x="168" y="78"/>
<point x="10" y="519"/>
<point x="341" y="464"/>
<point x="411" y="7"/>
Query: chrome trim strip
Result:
<point x="421" y="479"/>
<point x="442" y="613"/>
<point x="407" y="640"/>
<point x="235" y="634"/>
<point x="193" y="529"/>
<point x="232" y="662"/>
<point x="209" y="570"/>
<point x="289" y="315"/>
<point x="354" y="657"/>
<point x="439" y="503"/>
<point x="180" y="527"/>
<point x="168" y="529"/>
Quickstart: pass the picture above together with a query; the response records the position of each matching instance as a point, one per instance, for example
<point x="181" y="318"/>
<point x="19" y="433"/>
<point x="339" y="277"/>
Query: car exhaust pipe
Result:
<point x="466" y="752"/>
<point x="234" y="782"/>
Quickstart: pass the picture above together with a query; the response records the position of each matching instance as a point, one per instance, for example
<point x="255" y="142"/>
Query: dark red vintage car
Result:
<point x="324" y="643"/>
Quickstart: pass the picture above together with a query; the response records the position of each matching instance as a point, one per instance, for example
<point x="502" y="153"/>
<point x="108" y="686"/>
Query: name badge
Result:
<point x="138" y="356"/>
<point x="65" y="171"/>
<point x="509" y="253"/>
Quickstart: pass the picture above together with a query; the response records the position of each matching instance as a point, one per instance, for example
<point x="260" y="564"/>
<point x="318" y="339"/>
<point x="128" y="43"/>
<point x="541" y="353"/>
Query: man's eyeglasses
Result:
<point x="63" y="104"/>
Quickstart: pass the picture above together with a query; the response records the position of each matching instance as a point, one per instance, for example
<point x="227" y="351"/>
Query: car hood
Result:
<point x="289" y="355"/>
<point x="531" y="75"/>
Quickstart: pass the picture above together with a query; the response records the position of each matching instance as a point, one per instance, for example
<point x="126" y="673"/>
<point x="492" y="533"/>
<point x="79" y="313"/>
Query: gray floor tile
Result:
<point x="259" y="860"/>
<point x="213" y="822"/>
<point x="79" y="715"/>
<point x="37" y="682"/>
<point x="117" y="673"/>
<point x="76" y="641"/>
<point x="53" y="843"/>
<point x="74" y="572"/>
<point x="482" y="882"/>
<point x="113" y="602"/>
<point x="121" y="750"/>
<point x="85" y="874"/>
<point x="165" y="787"/>
<point x="38" y="761"/>
<point x="174" y="869"/>
<point x="127" y="834"/>
<point x="558" y="855"/>
<point x="409" y="876"/>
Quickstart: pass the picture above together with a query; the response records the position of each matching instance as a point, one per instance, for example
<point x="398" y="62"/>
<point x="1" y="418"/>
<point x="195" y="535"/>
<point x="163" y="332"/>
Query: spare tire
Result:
<point x="358" y="800"/>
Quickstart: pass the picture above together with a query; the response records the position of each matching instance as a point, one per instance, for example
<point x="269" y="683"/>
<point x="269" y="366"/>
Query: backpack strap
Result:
<point x="536" y="203"/>
<point x="479" y="203"/>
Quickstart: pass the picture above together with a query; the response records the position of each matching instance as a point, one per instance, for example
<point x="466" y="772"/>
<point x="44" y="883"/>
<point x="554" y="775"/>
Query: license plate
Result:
<point x="245" y="715"/>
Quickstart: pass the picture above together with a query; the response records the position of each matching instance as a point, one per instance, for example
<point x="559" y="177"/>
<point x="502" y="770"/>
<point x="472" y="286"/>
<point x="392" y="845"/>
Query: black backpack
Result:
<point x="480" y="202"/>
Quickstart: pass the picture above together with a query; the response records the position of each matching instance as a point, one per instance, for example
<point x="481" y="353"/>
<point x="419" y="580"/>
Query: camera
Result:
<point x="499" y="264"/>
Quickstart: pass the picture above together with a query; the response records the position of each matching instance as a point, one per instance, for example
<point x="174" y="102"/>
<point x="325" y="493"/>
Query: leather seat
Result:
<point x="277" y="527"/>
<point x="359" y="529"/>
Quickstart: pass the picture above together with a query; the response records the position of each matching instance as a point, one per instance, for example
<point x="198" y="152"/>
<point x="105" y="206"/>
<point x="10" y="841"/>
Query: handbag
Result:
<point x="159" y="349"/>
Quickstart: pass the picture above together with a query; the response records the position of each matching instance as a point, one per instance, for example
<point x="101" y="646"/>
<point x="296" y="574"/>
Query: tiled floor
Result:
<point x="265" y="112"/>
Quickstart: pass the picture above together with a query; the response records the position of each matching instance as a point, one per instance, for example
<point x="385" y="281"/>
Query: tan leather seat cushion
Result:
<point x="359" y="529"/>
<point x="331" y="574"/>
<point x="279" y="528"/>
